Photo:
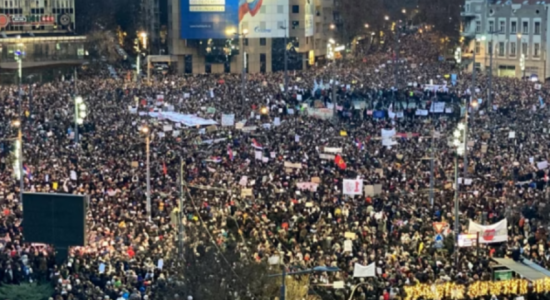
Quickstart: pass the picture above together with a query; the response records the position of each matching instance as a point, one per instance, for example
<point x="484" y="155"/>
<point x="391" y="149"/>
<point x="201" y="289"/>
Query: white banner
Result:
<point x="187" y="120"/>
<point x="333" y="150"/>
<point x="437" y="107"/>
<point x="352" y="187"/>
<point x="228" y="120"/>
<point x="310" y="186"/>
<point x="495" y="233"/>
<point x="327" y="156"/>
<point x="362" y="271"/>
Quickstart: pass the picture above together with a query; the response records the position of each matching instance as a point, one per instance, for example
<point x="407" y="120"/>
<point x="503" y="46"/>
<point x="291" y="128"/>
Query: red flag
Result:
<point x="339" y="161"/>
<point x="164" y="170"/>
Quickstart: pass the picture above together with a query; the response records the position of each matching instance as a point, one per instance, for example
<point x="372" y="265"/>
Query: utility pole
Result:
<point x="396" y="62"/>
<point x="181" y="213"/>
<point x="286" y="60"/>
<point x="432" y="179"/>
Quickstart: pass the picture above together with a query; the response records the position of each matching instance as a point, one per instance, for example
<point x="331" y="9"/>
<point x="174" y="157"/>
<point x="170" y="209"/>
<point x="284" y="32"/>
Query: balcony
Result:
<point x="467" y="14"/>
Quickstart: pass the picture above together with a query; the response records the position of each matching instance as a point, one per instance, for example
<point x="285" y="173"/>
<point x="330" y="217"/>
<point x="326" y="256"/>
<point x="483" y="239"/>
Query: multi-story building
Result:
<point x="42" y="31"/>
<point x="211" y="36"/>
<point x="514" y="33"/>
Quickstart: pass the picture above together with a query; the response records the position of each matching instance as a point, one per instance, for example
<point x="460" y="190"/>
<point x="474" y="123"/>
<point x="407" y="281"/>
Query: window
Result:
<point x="513" y="27"/>
<point x="295" y="24"/>
<point x="526" y="27"/>
<point x="263" y="63"/>
<point x="491" y="26"/>
<point x="295" y="9"/>
<point x="513" y="49"/>
<point x="537" y="28"/>
<point x="263" y="42"/>
<point x="478" y="26"/>
<point x="263" y="9"/>
<point x="524" y="49"/>
<point x="280" y="9"/>
<point x="478" y="46"/>
<point x="536" y="50"/>
<point x="490" y="47"/>
<point x="501" y="49"/>
<point x="501" y="26"/>
<point x="245" y="42"/>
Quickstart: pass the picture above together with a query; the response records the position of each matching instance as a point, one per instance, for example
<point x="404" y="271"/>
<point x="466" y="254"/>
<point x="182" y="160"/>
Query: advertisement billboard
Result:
<point x="264" y="18"/>
<point x="215" y="19"/>
<point x="208" y="19"/>
<point x="309" y="18"/>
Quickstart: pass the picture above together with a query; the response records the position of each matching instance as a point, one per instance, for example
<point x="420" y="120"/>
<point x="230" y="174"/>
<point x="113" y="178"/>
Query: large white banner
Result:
<point x="495" y="233"/>
<point x="187" y="120"/>
<point x="309" y="18"/>
<point x="264" y="18"/>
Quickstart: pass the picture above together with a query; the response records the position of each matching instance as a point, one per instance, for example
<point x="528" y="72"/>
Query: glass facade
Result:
<point x="42" y="51"/>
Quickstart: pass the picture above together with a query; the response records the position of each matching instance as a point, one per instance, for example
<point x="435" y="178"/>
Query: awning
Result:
<point x="527" y="268"/>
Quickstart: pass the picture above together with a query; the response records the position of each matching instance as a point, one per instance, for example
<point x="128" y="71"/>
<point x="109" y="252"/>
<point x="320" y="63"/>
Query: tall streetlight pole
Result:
<point x="460" y="147"/>
<point x="79" y="115"/>
<point x="286" y="59"/>
<point x="18" y="166"/>
<point x="243" y="73"/>
<point x="181" y="213"/>
<point x="521" y="56"/>
<point x="145" y="131"/>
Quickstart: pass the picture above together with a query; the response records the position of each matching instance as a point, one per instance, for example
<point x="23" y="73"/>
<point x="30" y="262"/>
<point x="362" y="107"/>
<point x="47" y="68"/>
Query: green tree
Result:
<point x="26" y="291"/>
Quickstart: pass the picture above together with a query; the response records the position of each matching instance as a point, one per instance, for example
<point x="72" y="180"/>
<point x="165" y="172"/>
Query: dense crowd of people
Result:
<point x="306" y="227"/>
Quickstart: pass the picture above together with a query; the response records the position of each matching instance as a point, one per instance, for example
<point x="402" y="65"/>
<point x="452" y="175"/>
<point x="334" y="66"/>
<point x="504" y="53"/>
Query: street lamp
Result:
<point x="332" y="26"/>
<point x="145" y="131"/>
<point x="458" y="142"/>
<point x="18" y="163"/>
<point x="522" y="65"/>
<point x="286" y="58"/>
<point x="386" y="18"/>
<point x="241" y="37"/>
<point x="366" y="25"/>
<point x="404" y="11"/>
<point x="458" y="55"/>
<point x="79" y="115"/>
<point x="143" y="36"/>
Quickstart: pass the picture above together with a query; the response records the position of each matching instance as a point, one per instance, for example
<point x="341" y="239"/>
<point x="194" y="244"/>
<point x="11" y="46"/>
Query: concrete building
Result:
<point x="308" y="23"/>
<point x="514" y="32"/>
<point x="43" y="31"/>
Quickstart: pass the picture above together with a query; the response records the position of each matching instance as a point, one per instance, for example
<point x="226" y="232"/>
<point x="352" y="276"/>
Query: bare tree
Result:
<point x="102" y="45"/>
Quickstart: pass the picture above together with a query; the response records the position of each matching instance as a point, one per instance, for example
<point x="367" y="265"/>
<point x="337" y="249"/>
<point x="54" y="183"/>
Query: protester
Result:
<point x="306" y="227"/>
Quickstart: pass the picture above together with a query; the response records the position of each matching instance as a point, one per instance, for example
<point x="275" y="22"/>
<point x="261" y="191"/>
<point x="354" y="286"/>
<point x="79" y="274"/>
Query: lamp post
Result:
<point x="18" y="165"/>
<point x="241" y="37"/>
<point x="145" y="131"/>
<point x="460" y="147"/>
<point x="79" y="115"/>
<point x="286" y="58"/>
<point x="522" y="57"/>
<point x="143" y="36"/>
<point x="458" y="57"/>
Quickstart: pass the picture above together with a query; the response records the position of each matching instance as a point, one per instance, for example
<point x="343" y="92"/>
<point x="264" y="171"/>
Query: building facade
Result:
<point x="207" y="46"/>
<point x="42" y="31"/>
<point x="513" y="33"/>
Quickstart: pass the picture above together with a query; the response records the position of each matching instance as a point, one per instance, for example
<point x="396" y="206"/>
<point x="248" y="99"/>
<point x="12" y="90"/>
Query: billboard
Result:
<point x="208" y="19"/>
<point x="264" y="18"/>
<point x="216" y="19"/>
<point x="309" y="18"/>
